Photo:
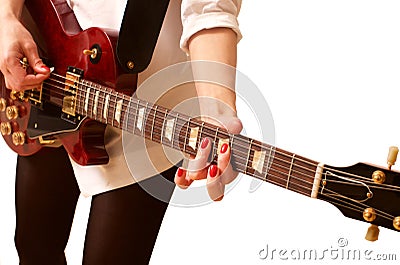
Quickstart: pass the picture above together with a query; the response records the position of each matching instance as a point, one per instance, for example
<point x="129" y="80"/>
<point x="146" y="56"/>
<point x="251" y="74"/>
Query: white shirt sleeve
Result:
<point x="206" y="14"/>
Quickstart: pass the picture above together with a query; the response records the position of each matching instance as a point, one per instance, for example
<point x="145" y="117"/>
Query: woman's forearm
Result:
<point x="216" y="45"/>
<point x="11" y="9"/>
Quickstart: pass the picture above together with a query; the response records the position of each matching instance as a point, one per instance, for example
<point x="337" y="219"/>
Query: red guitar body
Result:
<point x="65" y="43"/>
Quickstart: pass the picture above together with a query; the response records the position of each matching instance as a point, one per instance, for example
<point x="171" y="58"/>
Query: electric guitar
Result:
<point x="87" y="90"/>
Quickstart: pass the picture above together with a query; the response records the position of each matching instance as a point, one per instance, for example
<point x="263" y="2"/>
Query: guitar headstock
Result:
<point x="364" y="192"/>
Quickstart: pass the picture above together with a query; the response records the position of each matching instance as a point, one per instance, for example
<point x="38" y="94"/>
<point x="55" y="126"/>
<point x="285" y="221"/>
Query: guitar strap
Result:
<point x="139" y="32"/>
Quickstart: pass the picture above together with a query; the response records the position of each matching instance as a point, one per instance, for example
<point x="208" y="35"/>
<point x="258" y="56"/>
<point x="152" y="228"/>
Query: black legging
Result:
<point x="122" y="227"/>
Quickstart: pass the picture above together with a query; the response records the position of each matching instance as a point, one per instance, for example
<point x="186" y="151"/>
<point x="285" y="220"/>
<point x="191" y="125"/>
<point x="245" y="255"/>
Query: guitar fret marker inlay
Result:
<point x="169" y="125"/>
<point x="258" y="161"/>
<point x="194" y="132"/>
<point x="118" y="109"/>
<point x="106" y="107"/>
<point x="87" y="99"/>
<point x="96" y="100"/>
<point x="140" y="119"/>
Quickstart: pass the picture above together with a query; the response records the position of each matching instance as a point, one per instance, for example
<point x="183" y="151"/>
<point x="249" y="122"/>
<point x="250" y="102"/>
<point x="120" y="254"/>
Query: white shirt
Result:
<point x="183" y="19"/>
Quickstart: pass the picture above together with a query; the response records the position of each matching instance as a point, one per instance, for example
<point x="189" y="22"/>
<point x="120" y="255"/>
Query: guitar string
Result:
<point x="280" y="184"/>
<point x="278" y="164"/>
<point x="285" y="179"/>
<point x="304" y="161"/>
<point x="227" y="136"/>
<point x="213" y="135"/>
<point x="237" y="151"/>
<point x="356" y="207"/>
<point x="372" y="185"/>
<point x="184" y="122"/>
<point x="100" y="96"/>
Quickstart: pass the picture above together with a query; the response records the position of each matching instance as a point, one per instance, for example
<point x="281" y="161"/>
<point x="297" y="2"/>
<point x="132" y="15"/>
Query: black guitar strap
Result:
<point x="139" y="32"/>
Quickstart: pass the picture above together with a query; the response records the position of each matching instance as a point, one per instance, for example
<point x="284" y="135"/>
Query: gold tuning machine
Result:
<point x="372" y="233"/>
<point x="392" y="156"/>
<point x="369" y="214"/>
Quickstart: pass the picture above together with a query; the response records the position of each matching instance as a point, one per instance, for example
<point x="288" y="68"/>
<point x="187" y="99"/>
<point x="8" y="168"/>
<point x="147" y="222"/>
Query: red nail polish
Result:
<point x="213" y="171"/>
<point x="44" y="67"/>
<point x="224" y="148"/>
<point x="180" y="172"/>
<point x="204" y="143"/>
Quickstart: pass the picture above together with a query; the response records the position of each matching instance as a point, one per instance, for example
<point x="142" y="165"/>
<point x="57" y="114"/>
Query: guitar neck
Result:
<point x="183" y="133"/>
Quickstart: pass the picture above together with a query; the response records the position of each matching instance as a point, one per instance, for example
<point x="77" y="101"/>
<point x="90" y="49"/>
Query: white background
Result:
<point x="329" y="71"/>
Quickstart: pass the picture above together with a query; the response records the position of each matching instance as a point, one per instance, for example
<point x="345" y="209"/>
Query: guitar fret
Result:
<point x="248" y="156"/>
<point x="77" y="99"/>
<point x="145" y="117"/>
<point x="152" y="125"/>
<point x="215" y="148"/>
<point x="123" y="111"/>
<point x="200" y="135"/>
<point x="186" y="135"/>
<point x="290" y="171"/>
<point x="163" y="129"/>
<point x="174" y="130"/>
<point x="138" y="117"/>
<point x="269" y="162"/>
<point x="128" y="115"/>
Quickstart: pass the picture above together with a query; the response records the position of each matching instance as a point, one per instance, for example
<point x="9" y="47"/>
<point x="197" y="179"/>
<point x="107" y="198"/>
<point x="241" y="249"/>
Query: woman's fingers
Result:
<point x="226" y="171"/>
<point x="181" y="178"/>
<point x="197" y="167"/>
<point x="215" y="187"/>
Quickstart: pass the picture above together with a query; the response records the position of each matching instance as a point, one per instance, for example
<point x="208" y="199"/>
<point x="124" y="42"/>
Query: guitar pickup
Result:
<point x="72" y="79"/>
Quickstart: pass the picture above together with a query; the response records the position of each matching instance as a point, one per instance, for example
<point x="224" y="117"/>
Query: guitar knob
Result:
<point x="392" y="156"/>
<point x="12" y="112"/>
<point x="372" y="233"/>
<point x="18" y="138"/>
<point x="5" y="128"/>
<point x="396" y="223"/>
<point x="3" y="104"/>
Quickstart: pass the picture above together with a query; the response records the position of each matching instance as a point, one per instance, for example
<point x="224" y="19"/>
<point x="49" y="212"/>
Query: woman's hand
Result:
<point x="16" y="43"/>
<point x="198" y="167"/>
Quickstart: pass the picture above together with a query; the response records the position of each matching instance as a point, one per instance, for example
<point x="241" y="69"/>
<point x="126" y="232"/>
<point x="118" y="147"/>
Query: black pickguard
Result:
<point x="50" y="120"/>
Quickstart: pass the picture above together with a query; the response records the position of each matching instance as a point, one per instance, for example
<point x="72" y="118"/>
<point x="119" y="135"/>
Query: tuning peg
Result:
<point x="392" y="156"/>
<point x="372" y="233"/>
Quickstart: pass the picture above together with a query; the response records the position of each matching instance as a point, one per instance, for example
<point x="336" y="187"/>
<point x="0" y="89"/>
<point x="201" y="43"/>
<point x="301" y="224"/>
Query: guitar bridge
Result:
<point x="72" y="79"/>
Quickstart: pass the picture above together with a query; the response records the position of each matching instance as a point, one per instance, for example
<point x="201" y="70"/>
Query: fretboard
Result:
<point x="183" y="133"/>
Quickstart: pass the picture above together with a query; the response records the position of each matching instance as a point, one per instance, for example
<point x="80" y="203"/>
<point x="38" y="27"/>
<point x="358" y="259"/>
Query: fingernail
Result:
<point x="44" y="67"/>
<point x="204" y="143"/>
<point x="213" y="171"/>
<point x="180" y="172"/>
<point x="224" y="148"/>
